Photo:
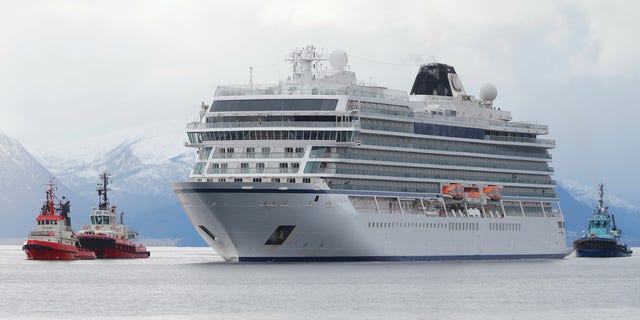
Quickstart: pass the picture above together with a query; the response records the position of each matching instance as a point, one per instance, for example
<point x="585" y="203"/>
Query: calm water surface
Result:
<point x="194" y="283"/>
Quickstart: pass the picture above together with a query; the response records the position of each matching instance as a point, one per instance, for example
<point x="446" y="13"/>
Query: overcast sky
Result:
<point x="78" y="68"/>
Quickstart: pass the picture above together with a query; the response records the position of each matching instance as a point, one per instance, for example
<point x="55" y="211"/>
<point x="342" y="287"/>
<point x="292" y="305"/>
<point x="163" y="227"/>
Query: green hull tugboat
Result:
<point x="601" y="238"/>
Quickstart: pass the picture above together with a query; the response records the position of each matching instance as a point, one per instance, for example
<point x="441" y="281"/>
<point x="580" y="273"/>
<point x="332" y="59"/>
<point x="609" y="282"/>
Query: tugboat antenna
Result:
<point x="103" y="200"/>
<point x="601" y="201"/>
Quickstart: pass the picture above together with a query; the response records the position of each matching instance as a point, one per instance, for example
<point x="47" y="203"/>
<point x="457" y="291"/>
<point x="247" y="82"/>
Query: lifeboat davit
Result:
<point x="492" y="192"/>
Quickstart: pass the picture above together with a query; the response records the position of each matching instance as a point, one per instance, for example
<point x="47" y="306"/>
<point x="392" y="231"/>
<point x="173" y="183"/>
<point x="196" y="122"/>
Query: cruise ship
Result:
<point x="321" y="167"/>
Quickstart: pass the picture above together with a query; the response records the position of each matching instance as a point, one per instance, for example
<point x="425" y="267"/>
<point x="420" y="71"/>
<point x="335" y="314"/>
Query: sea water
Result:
<point x="194" y="283"/>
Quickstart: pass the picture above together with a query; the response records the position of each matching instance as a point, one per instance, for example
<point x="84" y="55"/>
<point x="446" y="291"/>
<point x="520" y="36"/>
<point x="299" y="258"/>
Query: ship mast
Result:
<point x="49" y="208"/>
<point x="601" y="201"/>
<point x="103" y="200"/>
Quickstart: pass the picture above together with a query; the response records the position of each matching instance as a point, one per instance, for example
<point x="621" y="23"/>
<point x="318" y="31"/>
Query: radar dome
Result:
<point x="488" y="92"/>
<point x="338" y="59"/>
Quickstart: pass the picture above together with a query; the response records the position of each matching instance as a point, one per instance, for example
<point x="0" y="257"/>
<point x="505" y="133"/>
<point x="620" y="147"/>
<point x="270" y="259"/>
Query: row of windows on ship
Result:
<point x="451" y="226"/>
<point x="328" y="135"/>
<point x="274" y="180"/>
<point x="451" y="146"/>
<point x="369" y="154"/>
<point x="440" y="145"/>
<point x="48" y="222"/>
<point x="341" y="137"/>
<point x="250" y="152"/>
<point x="368" y="170"/>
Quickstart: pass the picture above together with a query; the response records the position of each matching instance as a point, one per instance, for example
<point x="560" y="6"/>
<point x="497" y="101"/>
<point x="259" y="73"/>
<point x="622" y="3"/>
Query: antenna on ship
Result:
<point x="251" y="78"/>
<point x="601" y="201"/>
<point x="103" y="200"/>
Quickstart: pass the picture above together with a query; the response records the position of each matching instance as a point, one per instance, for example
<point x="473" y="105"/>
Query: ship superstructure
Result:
<point x="319" y="167"/>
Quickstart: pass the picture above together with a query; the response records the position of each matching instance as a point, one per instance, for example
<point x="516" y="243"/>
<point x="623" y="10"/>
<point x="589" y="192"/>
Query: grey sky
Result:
<point x="79" y="68"/>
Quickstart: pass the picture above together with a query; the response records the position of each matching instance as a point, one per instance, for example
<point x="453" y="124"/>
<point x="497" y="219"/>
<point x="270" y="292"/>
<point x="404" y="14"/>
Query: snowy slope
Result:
<point x="578" y="201"/>
<point x="143" y="161"/>
<point x="23" y="183"/>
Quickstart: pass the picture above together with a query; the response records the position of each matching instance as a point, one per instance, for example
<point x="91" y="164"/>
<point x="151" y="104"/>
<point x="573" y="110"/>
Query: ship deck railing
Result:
<point x="366" y="141"/>
<point x="320" y="89"/>
<point x="486" y="137"/>
<point x="402" y="159"/>
<point x="543" y="129"/>
<point x="271" y="124"/>
<point x="252" y="171"/>
<point x="416" y="175"/>
<point x="256" y="155"/>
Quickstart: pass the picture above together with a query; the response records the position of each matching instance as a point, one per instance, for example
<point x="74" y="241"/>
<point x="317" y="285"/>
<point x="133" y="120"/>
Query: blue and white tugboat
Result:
<point x="602" y="236"/>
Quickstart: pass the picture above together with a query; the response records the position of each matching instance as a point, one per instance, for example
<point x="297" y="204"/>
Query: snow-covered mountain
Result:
<point x="23" y="182"/>
<point x="143" y="161"/>
<point x="589" y="195"/>
<point x="578" y="201"/>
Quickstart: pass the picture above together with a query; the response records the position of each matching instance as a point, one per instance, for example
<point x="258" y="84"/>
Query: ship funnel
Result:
<point x="437" y="79"/>
<point x="122" y="217"/>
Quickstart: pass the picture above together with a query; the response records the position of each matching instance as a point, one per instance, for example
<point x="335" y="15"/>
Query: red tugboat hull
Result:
<point x="44" y="250"/>
<point x="106" y="247"/>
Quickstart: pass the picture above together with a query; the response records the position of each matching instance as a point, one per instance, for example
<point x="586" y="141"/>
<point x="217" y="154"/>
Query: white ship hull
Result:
<point x="238" y="219"/>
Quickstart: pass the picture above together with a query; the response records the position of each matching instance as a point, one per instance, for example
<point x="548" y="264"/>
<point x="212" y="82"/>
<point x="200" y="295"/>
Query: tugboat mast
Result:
<point x="601" y="201"/>
<point x="103" y="200"/>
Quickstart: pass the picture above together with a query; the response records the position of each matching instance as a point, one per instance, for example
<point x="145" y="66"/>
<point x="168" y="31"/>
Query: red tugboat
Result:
<point x="105" y="236"/>
<point x="53" y="238"/>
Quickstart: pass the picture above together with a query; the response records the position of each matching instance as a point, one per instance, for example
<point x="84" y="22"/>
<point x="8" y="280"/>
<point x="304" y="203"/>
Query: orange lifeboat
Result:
<point x="492" y="192"/>
<point x="472" y="193"/>
<point x="455" y="190"/>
